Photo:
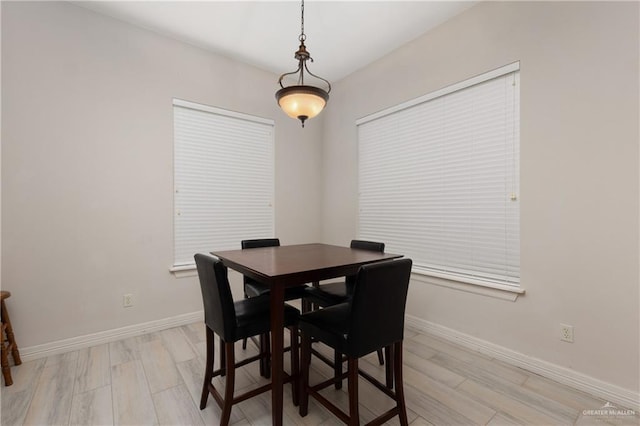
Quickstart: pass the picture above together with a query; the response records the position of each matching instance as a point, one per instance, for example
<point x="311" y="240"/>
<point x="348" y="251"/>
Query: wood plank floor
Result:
<point x="156" y="378"/>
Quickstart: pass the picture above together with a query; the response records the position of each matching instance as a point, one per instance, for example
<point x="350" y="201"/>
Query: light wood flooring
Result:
<point x="156" y="378"/>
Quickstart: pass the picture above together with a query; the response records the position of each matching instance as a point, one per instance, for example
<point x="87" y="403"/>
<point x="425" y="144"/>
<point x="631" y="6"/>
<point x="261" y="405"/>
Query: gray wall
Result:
<point x="87" y="167"/>
<point x="579" y="174"/>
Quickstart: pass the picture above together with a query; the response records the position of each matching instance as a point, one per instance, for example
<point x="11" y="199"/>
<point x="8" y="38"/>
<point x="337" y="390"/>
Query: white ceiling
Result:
<point x="342" y="36"/>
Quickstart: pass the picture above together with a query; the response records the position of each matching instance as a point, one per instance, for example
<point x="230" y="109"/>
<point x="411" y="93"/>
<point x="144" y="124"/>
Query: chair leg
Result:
<point x="305" y="362"/>
<point x="337" y="368"/>
<point x="380" y="357"/>
<point x="223" y="368"/>
<point x="229" y="383"/>
<point x="295" y="368"/>
<point x="267" y="359"/>
<point x="15" y="354"/>
<point x="397" y="371"/>
<point x="208" y="371"/>
<point x="6" y="370"/>
<point x="389" y="367"/>
<point x="354" y="415"/>
<point x="244" y="341"/>
<point x="265" y="351"/>
<point x="262" y="361"/>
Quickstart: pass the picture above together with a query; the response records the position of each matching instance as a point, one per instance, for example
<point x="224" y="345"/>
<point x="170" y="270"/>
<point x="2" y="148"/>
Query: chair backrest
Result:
<point x="362" y="245"/>
<point x="258" y="243"/>
<point x="367" y="245"/>
<point x="378" y="306"/>
<point x="262" y="242"/>
<point x="219" y="312"/>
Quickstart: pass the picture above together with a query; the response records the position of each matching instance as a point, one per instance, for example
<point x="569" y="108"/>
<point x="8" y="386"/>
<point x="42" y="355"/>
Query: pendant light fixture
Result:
<point x="301" y="101"/>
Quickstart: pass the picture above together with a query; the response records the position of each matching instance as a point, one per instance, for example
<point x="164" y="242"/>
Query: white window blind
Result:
<point x="439" y="179"/>
<point x="223" y="176"/>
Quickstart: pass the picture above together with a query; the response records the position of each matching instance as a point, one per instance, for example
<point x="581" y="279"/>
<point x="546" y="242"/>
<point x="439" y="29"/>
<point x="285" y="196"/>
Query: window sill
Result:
<point x="496" y="290"/>
<point x="183" y="271"/>
<point x="499" y="291"/>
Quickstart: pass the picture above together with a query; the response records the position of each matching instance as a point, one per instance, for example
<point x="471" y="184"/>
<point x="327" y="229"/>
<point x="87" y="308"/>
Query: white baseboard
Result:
<point x="612" y="393"/>
<point x="86" y="341"/>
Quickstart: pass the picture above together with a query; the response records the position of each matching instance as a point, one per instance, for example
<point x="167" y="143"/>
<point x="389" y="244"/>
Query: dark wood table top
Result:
<point x="298" y="264"/>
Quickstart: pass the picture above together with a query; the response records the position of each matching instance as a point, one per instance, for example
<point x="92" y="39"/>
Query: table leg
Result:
<point x="277" y="349"/>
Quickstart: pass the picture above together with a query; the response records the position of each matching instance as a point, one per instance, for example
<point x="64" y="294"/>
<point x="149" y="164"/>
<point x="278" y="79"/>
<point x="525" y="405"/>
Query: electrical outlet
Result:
<point x="127" y="300"/>
<point x="566" y="333"/>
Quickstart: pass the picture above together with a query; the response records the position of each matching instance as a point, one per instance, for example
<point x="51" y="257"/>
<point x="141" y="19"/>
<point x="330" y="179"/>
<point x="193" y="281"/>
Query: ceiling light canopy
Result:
<point x="301" y="101"/>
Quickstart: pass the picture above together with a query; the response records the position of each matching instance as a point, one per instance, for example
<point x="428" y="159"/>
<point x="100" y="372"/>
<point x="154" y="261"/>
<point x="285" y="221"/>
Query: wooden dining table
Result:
<point x="287" y="266"/>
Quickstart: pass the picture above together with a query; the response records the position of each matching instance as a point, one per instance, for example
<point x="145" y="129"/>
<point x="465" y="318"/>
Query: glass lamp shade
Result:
<point x="302" y="102"/>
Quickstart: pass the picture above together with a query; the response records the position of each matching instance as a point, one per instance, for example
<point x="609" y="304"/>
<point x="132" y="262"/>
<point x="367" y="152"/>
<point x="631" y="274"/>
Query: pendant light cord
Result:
<point x="302" y="37"/>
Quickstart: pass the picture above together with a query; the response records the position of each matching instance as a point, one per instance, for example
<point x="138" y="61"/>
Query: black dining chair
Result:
<point x="233" y="321"/>
<point x="330" y="294"/>
<point x="371" y="319"/>
<point x="253" y="288"/>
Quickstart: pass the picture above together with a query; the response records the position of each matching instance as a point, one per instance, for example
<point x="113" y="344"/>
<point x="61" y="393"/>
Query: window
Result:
<point x="223" y="177"/>
<point x="439" y="180"/>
